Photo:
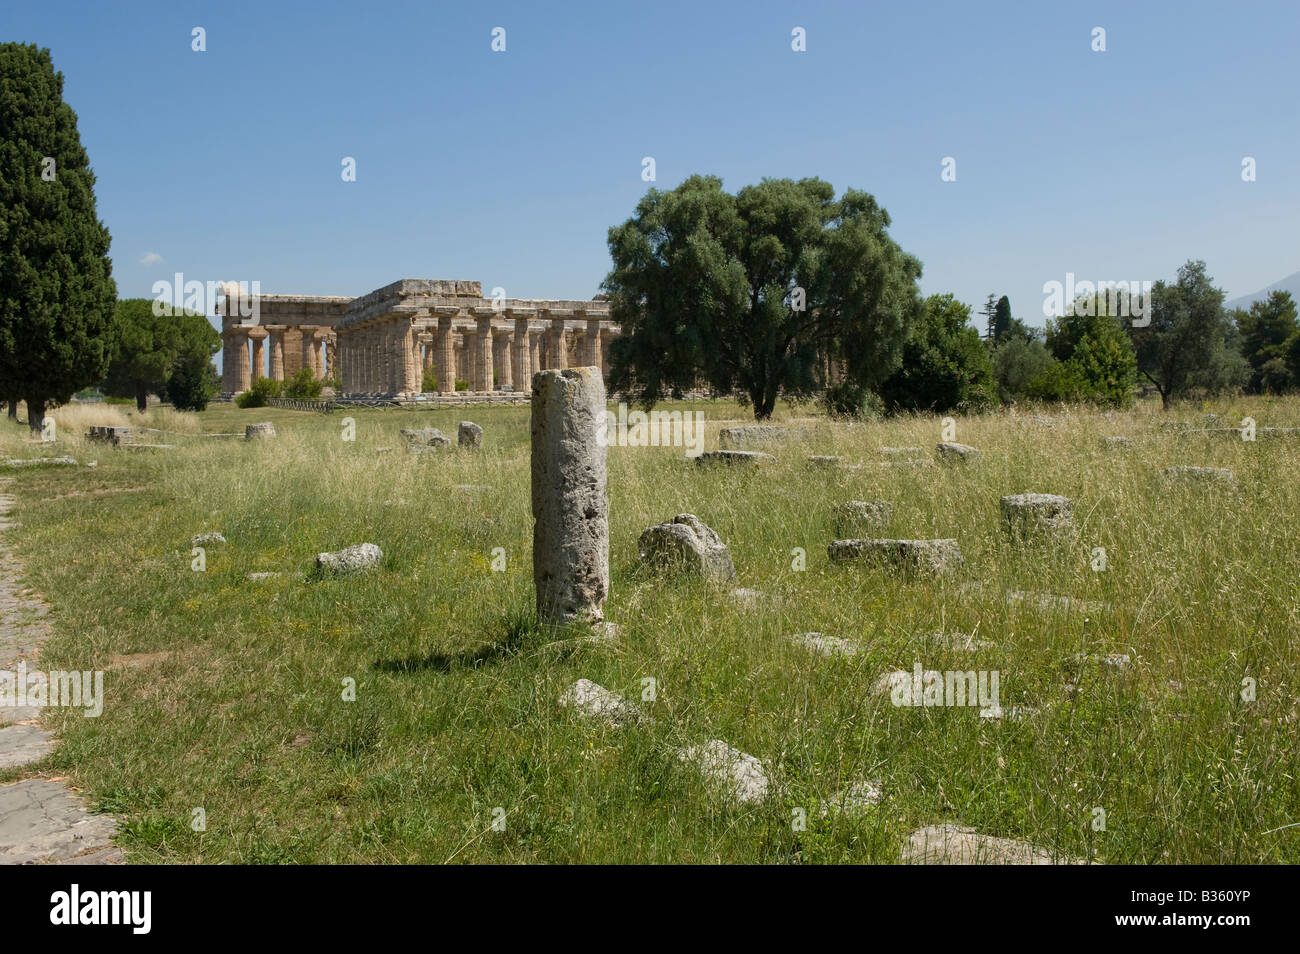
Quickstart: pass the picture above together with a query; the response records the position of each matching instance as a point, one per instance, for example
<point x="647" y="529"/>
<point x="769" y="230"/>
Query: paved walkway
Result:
<point x="41" y="820"/>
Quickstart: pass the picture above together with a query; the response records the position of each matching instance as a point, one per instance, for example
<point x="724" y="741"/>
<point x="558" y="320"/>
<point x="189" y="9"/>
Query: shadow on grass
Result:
<point x="520" y="629"/>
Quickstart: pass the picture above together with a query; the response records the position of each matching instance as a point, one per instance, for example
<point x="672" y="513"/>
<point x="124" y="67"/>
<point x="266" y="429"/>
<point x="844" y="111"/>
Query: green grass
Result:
<point x="456" y="713"/>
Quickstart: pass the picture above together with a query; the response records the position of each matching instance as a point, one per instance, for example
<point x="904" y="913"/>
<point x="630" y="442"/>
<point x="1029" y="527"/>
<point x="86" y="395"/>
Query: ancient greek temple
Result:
<point x="382" y="344"/>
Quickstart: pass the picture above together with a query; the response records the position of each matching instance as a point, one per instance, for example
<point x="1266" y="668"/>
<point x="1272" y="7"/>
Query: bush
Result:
<point x="192" y="382"/>
<point x="429" y="382"/>
<point x="263" y="390"/>
<point x="303" y="386"/>
<point x="462" y="384"/>
<point x="1016" y="362"/>
<point x="852" y="401"/>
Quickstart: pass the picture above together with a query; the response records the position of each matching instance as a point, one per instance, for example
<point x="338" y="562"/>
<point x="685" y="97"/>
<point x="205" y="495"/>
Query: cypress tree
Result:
<point x="56" y="287"/>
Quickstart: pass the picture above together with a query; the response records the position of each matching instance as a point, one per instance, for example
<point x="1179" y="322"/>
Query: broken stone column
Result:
<point x="570" y="506"/>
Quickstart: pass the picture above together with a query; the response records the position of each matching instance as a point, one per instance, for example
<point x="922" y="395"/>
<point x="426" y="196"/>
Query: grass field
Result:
<point x="227" y="694"/>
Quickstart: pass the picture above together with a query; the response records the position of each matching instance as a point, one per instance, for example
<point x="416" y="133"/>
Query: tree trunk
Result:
<point x="13" y="410"/>
<point x="36" y="415"/>
<point x="142" y="399"/>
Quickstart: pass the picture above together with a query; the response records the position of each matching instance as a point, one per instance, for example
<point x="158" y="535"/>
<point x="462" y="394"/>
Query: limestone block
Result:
<point x="687" y="543"/>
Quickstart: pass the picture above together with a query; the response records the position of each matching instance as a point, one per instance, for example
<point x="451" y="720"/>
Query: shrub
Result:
<point x="303" y="386"/>
<point x="852" y="401"/>
<point x="429" y="382"/>
<point x="263" y="390"/>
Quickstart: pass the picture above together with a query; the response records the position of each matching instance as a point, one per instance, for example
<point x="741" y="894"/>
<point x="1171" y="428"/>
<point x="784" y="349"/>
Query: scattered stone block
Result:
<point x="1111" y="662"/>
<point x="1116" y="442"/>
<point x="596" y="702"/>
<point x="469" y="435"/>
<point x="951" y="452"/>
<point x="826" y="645"/>
<point x="260" y="431"/>
<point x="424" y="437"/>
<point x="922" y="556"/>
<point x="109" y="434"/>
<point x="734" y="458"/>
<point x="39" y="462"/>
<point x="952" y="845"/>
<point x="737" y="773"/>
<point x="737" y="437"/>
<point x="826" y="460"/>
<point x="689" y="544"/>
<point x="206" y="539"/>
<point x="569" y="501"/>
<point x="859" y="516"/>
<point x="859" y="797"/>
<point x="362" y="556"/>
<point x="1211" y="475"/>
<point x="262" y="577"/>
<point x="1026" y="516"/>
<point x="747" y="598"/>
<point x="1052" y="602"/>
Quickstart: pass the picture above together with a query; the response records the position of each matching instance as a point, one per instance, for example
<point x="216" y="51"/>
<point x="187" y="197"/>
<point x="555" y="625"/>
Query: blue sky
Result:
<point x="509" y="167"/>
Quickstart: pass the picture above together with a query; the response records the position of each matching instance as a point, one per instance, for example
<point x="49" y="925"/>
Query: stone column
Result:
<point x="523" y="371"/>
<point x="462" y="346"/>
<point x="259" y="362"/>
<point x="243" y="367"/>
<point x="570" y="505"/>
<point x="557" y="348"/>
<point x="310" y="351"/>
<point x="535" y="357"/>
<point x="503" y="361"/>
<point x="483" y="355"/>
<point x="277" y="355"/>
<point x="446" y="354"/>
<point x="411" y="366"/>
<point x="592" y="357"/>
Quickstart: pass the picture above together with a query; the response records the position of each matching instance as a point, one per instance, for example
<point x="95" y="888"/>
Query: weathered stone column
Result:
<point x="277" y="355"/>
<point x="243" y="367"/>
<point x="535" y="356"/>
<point x="411" y="367"/>
<point x="570" y="505"/>
<point x="523" y="371"/>
<point x="592" y="342"/>
<point x="557" y="348"/>
<point x="307" y="347"/>
<point x="502" y="361"/>
<point x="259" y="361"/>
<point x="462" y="348"/>
<point x="483" y="355"/>
<point x="446" y="356"/>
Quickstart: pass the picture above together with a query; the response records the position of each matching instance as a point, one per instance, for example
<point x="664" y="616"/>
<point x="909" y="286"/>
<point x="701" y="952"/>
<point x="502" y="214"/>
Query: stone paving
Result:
<point x="41" y="820"/>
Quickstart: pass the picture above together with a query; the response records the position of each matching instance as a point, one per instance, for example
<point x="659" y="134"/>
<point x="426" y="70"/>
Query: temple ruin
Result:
<point x="380" y="345"/>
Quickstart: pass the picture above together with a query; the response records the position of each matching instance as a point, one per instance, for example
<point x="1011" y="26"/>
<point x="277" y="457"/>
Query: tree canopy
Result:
<point x="751" y="292"/>
<point x="1189" y="341"/>
<point x="148" y="348"/>
<point x="945" y="364"/>
<point x="56" y="288"/>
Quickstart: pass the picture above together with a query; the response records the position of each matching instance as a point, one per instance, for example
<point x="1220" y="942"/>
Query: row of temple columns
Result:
<point x="391" y="355"/>
<point x="290" y="349"/>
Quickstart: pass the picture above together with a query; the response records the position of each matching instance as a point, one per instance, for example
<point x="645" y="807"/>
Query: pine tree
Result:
<point x="56" y="288"/>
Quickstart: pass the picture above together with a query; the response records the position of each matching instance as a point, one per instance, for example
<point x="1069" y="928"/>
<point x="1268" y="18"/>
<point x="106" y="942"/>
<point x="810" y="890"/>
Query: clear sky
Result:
<point x="509" y="167"/>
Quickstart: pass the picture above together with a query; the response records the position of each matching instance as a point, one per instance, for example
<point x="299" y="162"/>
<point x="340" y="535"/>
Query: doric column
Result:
<point x="592" y="357"/>
<point x="310" y="350"/>
<point x="522" y="356"/>
<point x="277" y="354"/>
<point x="462" y="339"/>
<point x="503" y="361"/>
<point x="557" y="348"/>
<point x="259" y="362"/>
<point x="445" y="352"/>
<point x="411" y="367"/>
<point x="535" y="361"/>
<point x="483" y="353"/>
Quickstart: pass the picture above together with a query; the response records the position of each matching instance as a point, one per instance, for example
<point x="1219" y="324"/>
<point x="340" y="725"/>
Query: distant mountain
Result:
<point x="1291" y="284"/>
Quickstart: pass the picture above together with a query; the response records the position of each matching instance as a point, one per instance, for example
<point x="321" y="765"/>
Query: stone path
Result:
<point x="41" y="820"/>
